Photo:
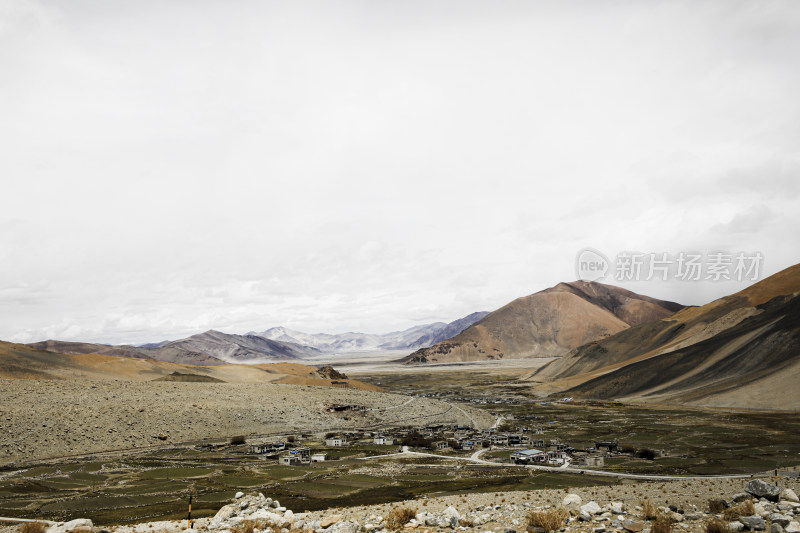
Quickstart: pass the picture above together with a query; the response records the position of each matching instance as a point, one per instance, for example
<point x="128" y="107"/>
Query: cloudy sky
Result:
<point x="171" y="167"/>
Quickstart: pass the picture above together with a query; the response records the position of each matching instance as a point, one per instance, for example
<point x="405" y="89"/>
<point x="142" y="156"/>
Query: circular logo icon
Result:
<point x="591" y="265"/>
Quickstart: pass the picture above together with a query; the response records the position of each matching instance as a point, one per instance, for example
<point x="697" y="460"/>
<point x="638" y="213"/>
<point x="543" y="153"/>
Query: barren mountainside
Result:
<point x="548" y="323"/>
<point x="740" y="350"/>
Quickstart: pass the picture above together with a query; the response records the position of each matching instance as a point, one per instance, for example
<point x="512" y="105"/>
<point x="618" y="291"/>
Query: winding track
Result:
<point x="645" y="477"/>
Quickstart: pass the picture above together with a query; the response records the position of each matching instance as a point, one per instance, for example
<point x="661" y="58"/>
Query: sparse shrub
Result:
<point x="290" y="438"/>
<point x="715" y="525"/>
<point x="744" y="508"/>
<point x="466" y="522"/>
<point x="33" y="527"/>
<point x="238" y="439"/>
<point x="649" y="511"/>
<point x="398" y="517"/>
<point x="662" y="524"/>
<point x="548" y="520"/>
<point x="646" y="453"/>
<point x="415" y="440"/>
<point x="716" y="506"/>
<point x="627" y="448"/>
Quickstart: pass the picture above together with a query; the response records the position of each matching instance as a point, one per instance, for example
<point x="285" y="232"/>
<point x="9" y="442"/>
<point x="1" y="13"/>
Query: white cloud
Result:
<point x="175" y="167"/>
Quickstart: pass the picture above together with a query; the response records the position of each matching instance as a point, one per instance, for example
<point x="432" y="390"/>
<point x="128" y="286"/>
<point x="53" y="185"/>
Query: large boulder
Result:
<point x="345" y="527"/>
<point x="793" y="527"/>
<point x="447" y="518"/>
<point x="571" y="502"/>
<point x="762" y="489"/>
<point x="452" y="516"/>
<point x="72" y="525"/>
<point x="789" y="495"/>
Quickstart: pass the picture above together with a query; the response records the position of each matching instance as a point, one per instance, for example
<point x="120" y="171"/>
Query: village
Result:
<point x="511" y="442"/>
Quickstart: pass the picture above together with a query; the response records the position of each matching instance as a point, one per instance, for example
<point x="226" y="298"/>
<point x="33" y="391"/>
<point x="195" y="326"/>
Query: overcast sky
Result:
<point x="171" y="167"/>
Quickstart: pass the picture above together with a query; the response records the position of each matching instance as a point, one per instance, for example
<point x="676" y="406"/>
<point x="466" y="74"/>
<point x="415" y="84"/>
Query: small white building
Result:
<point x="319" y="457"/>
<point x="384" y="440"/>
<point x="336" y="441"/>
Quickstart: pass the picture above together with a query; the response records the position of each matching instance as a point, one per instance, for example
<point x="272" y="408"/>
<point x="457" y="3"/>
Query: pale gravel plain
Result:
<point x="46" y="419"/>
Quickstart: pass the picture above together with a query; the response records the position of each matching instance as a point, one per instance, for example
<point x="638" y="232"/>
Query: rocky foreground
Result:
<point x="47" y="418"/>
<point x="684" y="506"/>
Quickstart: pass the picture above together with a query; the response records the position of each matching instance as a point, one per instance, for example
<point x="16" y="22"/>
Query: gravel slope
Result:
<point x="43" y="419"/>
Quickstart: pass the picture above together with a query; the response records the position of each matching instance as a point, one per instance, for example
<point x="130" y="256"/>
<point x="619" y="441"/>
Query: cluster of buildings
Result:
<point x="533" y="448"/>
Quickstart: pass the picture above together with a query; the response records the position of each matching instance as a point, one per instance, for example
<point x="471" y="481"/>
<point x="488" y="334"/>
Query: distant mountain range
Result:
<point x="20" y="361"/>
<point x="548" y="323"/>
<point x="741" y="350"/>
<point x="409" y="339"/>
<point x="276" y="344"/>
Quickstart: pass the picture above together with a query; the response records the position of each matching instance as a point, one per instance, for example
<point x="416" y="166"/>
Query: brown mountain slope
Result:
<point x="686" y="327"/>
<point x="743" y="366"/>
<point x="20" y="361"/>
<point x="734" y="351"/>
<point x="548" y="323"/>
<point x="77" y="348"/>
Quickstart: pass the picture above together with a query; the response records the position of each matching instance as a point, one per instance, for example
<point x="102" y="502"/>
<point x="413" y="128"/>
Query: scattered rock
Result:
<point x="592" y="508"/>
<point x="330" y="520"/>
<point x="777" y="518"/>
<point x="753" y="523"/>
<point x="762" y="489"/>
<point x="735" y="526"/>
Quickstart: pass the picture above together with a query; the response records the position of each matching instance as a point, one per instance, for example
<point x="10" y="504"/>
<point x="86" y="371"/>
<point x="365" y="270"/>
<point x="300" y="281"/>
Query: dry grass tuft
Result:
<point x="744" y="508"/>
<point x="248" y="526"/>
<point x="715" y="525"/>
<point x="398" y="517"/>
<point x="716" y="506"/>
<point x="649" y="510"/>
<point x="662" y="524"/>
<point x="548" y="520"/>
<point x="33" y="527"/>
